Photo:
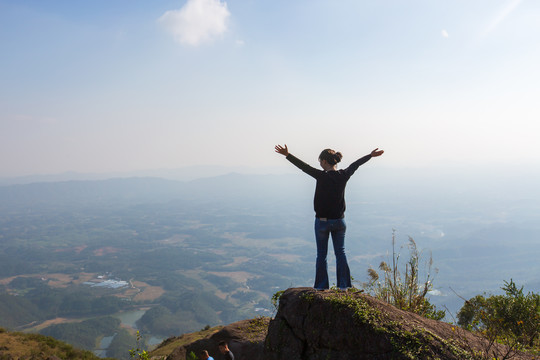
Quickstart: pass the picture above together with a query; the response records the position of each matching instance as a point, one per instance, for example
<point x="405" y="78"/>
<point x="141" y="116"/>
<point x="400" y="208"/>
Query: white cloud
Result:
<point x="197" y="22"/>
<point x="435" y="292"/>
<point x="444" y="33"/>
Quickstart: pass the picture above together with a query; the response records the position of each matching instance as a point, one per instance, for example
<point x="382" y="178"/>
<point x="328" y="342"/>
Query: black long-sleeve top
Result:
<point x="329" y="200"/>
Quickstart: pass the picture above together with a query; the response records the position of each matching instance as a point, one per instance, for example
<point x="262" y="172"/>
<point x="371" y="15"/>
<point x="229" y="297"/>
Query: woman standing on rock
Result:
<point x="329" y="204"/>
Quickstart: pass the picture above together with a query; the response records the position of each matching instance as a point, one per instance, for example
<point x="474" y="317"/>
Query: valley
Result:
<point x="104" y="259"/>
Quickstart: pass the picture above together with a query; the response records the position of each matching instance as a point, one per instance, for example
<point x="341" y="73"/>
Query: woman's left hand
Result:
<point x="282" y="150"/>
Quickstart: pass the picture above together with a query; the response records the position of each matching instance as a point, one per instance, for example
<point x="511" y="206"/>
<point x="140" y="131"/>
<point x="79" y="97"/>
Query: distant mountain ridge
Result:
<point x="187" y="173"/>
<point x="513" y="181"/>
<point x="88" y="190"/>
<point x="232" y="186"/>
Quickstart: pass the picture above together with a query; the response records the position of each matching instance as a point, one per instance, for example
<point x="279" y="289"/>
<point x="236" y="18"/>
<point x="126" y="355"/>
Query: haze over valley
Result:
<point x="183" y="255"/>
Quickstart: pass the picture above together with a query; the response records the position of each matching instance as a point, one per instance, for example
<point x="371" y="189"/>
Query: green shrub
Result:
<point x="512" y="319"/>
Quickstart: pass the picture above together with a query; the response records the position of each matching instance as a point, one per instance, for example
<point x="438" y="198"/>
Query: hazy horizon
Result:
<point x="472" y="174"/>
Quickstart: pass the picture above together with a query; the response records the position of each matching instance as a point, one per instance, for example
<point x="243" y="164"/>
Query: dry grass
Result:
<point x="170" y="344"/>
<point x="16" y="345"/>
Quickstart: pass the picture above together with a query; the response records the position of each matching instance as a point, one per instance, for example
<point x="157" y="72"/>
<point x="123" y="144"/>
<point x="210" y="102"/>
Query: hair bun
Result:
<point x="331" y="156"/>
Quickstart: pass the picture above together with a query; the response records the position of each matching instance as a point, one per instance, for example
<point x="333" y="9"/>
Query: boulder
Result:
<point x="341" y="325"/>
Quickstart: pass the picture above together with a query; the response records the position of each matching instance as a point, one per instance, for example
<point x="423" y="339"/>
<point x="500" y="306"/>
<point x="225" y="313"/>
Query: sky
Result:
<point x="123" y="85"/>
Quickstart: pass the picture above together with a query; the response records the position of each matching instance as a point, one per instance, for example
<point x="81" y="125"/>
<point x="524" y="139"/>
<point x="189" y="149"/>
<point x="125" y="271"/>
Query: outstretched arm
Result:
<point x="282" y="150"/>
<point x="355" y="165"/>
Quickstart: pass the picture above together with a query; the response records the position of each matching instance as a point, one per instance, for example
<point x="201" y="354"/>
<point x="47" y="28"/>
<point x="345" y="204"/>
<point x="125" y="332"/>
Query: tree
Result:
<point x="512" y="318"/>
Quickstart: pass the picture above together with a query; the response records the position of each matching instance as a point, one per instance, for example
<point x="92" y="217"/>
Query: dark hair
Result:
<point x="204" y="353"/>
<point x="222" y="343"/>
<point x="331" y="156"/>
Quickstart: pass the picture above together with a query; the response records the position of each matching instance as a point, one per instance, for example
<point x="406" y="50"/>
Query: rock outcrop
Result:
<point x="337" y="325"/>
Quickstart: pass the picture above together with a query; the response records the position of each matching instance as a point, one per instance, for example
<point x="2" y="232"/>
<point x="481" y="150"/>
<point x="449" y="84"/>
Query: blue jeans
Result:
<point x="323" y="229"/>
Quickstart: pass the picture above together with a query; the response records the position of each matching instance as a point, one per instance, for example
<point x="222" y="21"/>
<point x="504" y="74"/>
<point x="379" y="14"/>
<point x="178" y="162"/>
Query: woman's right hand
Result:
<point x="377" y="152"/>
<point x="282" y="150"/>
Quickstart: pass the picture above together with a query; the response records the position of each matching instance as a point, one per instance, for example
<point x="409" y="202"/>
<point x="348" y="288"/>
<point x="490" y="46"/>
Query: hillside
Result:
<point x="20" y="346"/>
<point x="245" y="338"/>
<point x="335" y="325"/>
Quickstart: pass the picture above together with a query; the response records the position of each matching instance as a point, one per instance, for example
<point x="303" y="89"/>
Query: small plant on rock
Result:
<point x="405" y="291"/>
<point x="137" y="353"/>
<point x="275" y="299"/>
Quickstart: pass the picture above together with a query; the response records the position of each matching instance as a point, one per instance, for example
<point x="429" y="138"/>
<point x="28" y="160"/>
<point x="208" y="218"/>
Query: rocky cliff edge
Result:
<point x="336" y="325"/>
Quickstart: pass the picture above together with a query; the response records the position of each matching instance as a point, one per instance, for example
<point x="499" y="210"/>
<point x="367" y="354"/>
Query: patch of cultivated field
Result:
<point x="286" y="257"/>
<point x="148" y="292"/>
<point x="238" y="276"/>
<point x="54" y="321"/>
<point x="54" y="280"/>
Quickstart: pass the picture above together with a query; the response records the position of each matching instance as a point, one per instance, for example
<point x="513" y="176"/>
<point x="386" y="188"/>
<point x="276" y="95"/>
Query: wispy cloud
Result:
<point x="197" y="22"/>
<point x="507" y="10"/>
<point x="444" y="34"/>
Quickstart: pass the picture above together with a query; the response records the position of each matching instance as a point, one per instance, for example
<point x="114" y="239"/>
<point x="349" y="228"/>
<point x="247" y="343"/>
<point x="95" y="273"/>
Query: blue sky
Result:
<point x="101" y="86"/>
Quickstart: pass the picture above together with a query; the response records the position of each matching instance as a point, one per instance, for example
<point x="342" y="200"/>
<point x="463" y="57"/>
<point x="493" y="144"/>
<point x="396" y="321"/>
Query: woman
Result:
<point x="329" y="204"/>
